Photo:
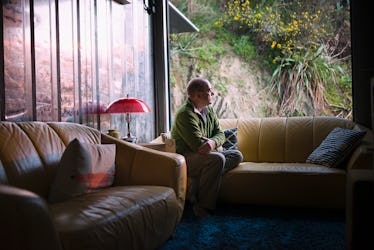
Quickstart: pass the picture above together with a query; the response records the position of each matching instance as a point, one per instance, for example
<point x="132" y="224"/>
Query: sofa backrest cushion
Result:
<point x="282" y="139"/>
<point x="31" y="151"/>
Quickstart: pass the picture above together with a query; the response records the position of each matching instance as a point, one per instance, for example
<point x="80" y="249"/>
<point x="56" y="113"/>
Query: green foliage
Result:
<point x="173" y="81"/>
<point x="205" y="52"/>
<point x="284" y="25"/>
<point x="295" y="36"/>
<point x="244" y="48"/>
<point x="221" y="87"/>
<point x="241" y="84"/>
<point x="209" y="52"/>
<point x="182" y="43"/>
<point x="240" y="44"/>
<point x="338" y="94"/>
<point x="305" y="43"/>
<point x="308" y="74"/>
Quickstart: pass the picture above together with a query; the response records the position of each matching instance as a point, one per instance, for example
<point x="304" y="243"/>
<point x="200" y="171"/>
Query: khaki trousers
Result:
<point x="205" y="172"/>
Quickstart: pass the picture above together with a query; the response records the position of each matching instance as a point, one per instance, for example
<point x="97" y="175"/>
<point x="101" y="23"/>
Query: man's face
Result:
<point x="206" y="95"/>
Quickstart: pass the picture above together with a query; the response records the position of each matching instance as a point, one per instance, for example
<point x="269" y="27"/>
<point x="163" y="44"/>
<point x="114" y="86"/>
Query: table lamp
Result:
<point x="127" y="106"/>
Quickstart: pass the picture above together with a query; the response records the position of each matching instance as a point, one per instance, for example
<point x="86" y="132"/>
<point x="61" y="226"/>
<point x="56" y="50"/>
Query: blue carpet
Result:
<point x="259" y="228"/>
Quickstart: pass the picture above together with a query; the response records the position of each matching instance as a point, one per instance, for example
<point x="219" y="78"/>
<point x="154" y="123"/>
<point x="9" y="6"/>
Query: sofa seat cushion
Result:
<point x="285" y="168"/>
<point x="296" y="184"/>
<point x="138" y="217"/>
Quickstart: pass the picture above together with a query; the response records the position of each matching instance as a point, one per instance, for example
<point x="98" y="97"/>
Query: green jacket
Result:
<point x="189" y="128"/>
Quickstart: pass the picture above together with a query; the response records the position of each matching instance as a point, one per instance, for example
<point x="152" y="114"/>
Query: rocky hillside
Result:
<point x="240" y="87"/>
<point x="315" y="82"/>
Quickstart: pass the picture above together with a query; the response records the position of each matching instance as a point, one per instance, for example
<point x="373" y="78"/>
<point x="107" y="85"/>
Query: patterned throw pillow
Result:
<point x="84" y="168"/>
<point x="338" y="144"/>
<point x="231" y="141"/>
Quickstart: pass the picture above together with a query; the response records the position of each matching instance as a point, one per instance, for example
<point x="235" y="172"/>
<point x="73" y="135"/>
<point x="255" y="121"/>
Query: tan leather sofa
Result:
<point x="274" y="171"/>
<point x="140" y="210"/>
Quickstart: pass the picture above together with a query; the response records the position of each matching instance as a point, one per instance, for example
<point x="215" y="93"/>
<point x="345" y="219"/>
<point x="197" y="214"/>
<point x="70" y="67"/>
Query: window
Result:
<point x="66" y="60"/>
<point x="267" y="58"/>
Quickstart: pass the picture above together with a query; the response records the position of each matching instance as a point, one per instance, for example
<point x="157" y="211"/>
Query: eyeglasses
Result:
<point x="210" y="91"/>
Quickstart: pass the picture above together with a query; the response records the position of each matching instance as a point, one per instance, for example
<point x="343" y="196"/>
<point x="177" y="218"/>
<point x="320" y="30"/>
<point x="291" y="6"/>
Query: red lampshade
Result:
<point x="127" y="105"/>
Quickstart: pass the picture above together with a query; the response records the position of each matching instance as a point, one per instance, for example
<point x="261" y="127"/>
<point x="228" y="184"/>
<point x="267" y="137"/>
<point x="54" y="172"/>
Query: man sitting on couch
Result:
<point x="198" y="138"/>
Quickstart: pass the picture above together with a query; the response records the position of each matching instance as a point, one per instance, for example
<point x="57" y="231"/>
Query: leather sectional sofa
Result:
<point x="274" y="170"/>
<point x="139" y="210"/>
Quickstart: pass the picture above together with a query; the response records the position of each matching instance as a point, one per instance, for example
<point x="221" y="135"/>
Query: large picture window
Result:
<point x="67" y="60"/>
<point x="266" y="58"/>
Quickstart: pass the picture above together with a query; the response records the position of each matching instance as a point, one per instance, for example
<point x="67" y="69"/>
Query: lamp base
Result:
<point x="130" y="139"/>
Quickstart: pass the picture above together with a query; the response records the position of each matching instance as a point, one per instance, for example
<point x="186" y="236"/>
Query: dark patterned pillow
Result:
<point x="231" y="141"/>
<point x="338" y="144"/>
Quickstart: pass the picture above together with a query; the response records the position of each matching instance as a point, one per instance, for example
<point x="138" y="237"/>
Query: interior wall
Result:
<point x="67" y="60"/>
<point x="362" y="60"/>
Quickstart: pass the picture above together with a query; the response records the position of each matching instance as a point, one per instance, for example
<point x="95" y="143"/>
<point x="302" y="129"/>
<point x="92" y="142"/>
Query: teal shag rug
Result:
<point x="260" y="228"/>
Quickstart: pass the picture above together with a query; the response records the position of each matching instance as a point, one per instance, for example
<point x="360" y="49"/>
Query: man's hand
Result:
<point x="207" y="146"/>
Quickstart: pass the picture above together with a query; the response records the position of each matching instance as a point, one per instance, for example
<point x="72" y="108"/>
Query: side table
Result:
<point x="360" y="209"/>
<point x="167" y="146"/>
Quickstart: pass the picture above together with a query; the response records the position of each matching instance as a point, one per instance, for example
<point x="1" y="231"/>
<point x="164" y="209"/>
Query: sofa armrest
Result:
<point x="167" y="146"/>
<point x="25" y="222"/>
<point x="361" y="158"/>
<point x="138" y="165"/>
<point x="152" y="167"/>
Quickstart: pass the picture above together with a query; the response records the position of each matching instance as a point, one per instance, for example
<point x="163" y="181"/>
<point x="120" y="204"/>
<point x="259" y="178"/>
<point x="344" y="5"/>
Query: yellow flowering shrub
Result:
<point x="294" y="37"/>
<point x="283" y="25"/>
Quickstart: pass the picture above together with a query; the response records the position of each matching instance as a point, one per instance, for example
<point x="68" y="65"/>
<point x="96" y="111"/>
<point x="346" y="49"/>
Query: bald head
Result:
<point x="197" y="84"/>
